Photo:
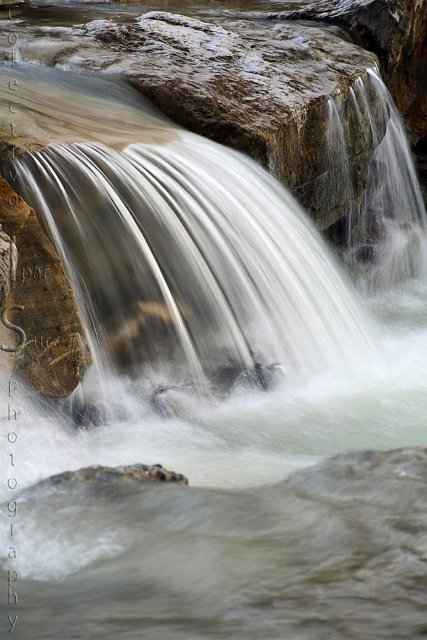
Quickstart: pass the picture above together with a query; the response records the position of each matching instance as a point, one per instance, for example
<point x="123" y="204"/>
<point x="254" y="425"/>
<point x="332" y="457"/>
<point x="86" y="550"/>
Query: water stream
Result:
<point x="230" y="345"/>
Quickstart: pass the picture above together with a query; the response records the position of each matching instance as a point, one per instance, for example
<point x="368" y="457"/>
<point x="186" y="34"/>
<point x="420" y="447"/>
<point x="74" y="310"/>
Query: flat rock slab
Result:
<point x="262" y="90"/>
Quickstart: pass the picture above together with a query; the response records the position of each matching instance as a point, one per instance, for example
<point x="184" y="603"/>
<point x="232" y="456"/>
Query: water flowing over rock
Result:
<point x="396" y="30"/>
<point x="182" y="267"/>
<point x="383" y="240"/>
<point x="55" y="349"/>
<point x="44" y="115"/>
<point x="351" y="474"/>
<point x="338" y="550"/>
<point x="260" y="90"/>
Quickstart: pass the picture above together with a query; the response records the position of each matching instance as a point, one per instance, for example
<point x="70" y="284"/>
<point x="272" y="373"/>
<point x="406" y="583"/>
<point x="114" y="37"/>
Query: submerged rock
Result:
<point x="100" y="477"/>
<point x="55" y="349"/>
<point x="365" y="474"/>
<point x="396" y="30"/>
<point x="88" y="415"/>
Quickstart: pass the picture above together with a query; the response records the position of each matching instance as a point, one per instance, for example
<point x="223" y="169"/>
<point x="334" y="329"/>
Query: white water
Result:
<point x="234" y="269"/>
<point x="194" y="249"/>
<point x="253" y="437"/>
<point x="190" y="253"/>
<point x="386" y="233"/>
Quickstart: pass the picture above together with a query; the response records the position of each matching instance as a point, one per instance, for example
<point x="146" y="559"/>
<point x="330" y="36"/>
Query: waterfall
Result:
<point x="190" y="253"/>
<point x="385" y="235"/>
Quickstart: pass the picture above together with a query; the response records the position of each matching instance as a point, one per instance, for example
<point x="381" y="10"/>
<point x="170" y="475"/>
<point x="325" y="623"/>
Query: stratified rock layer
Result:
<point x="55" y="350"/>
<point x="263" y="91"/>
<point x="8" y="260"/>
<point x="396" y="30"/>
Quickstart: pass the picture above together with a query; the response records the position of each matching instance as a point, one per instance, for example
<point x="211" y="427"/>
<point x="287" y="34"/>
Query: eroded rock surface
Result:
<point x="261" y="90"/>
<point x="56" y="349"/>
<point x="8" y="261"/>
<point x="396" y="30"/>
<point x="104" y="478"/>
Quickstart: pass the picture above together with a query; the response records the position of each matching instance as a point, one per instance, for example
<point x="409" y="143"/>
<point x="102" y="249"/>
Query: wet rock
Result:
<point x="105" y="478"/>
<point x="171" y="401"/>
<point x="146" y="332"/>
<point x="46" y="111"/>
<point x="175" y="401"/>
<point x="263" y="91"/>
<point x="12" y="4"/>
<point x="260" y="377"/>
<point x="8" y="262"/>
<point x="366" y="474"/>
<point x="366" y="254"/>
<point x="396" y="30"/>
<point x="88" y="415"/>
<point x="55" y="350"/>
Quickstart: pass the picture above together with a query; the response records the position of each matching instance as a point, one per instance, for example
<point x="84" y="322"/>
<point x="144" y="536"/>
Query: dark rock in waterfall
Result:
<point x="421" y="154"/>
<point x="14" y="4"/>
<point x="170" y="401"/>
<point x="174" y="401"/>
<point x="55" y="350"/>
<point x="88" y="415"/>
<point x="396" y="30"/>
<point x="261" y="90"/>
<point x="359" y="230"/>
<point x="365" y="254"/>
<point x="259" y="377"/>
<point x="109" y="481"/>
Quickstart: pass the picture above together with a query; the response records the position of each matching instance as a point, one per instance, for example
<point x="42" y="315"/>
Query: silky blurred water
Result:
<point x="239" y="553"/>
<point x="263" y="544"/>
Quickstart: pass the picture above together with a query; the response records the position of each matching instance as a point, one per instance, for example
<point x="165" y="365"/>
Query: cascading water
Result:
<point x="188" y="253"/>
<point x="385" y="236"/>
<point x="181" y="251"/>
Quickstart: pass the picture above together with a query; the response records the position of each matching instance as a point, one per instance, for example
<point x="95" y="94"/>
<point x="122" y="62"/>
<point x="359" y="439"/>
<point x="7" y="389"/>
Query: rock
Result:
<point x="263" y="91"/>
<point x="174" y="401"/>
<point x="103" y="479"/>
<point x="396" y="30"/>
<point x="45" y="110"/>
<point x="88" y="415"/>
<point x="8" y="263"/>
<point x="14" y="4"/>
<point x="365" y="474"/>
<point x="56" y="349"/>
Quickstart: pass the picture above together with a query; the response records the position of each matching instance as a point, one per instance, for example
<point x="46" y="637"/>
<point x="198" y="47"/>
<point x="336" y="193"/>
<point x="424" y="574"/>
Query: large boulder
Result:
<point x="396" y="30"/>
<point x="41" y="304"/>
<point x="263" y="91"/>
